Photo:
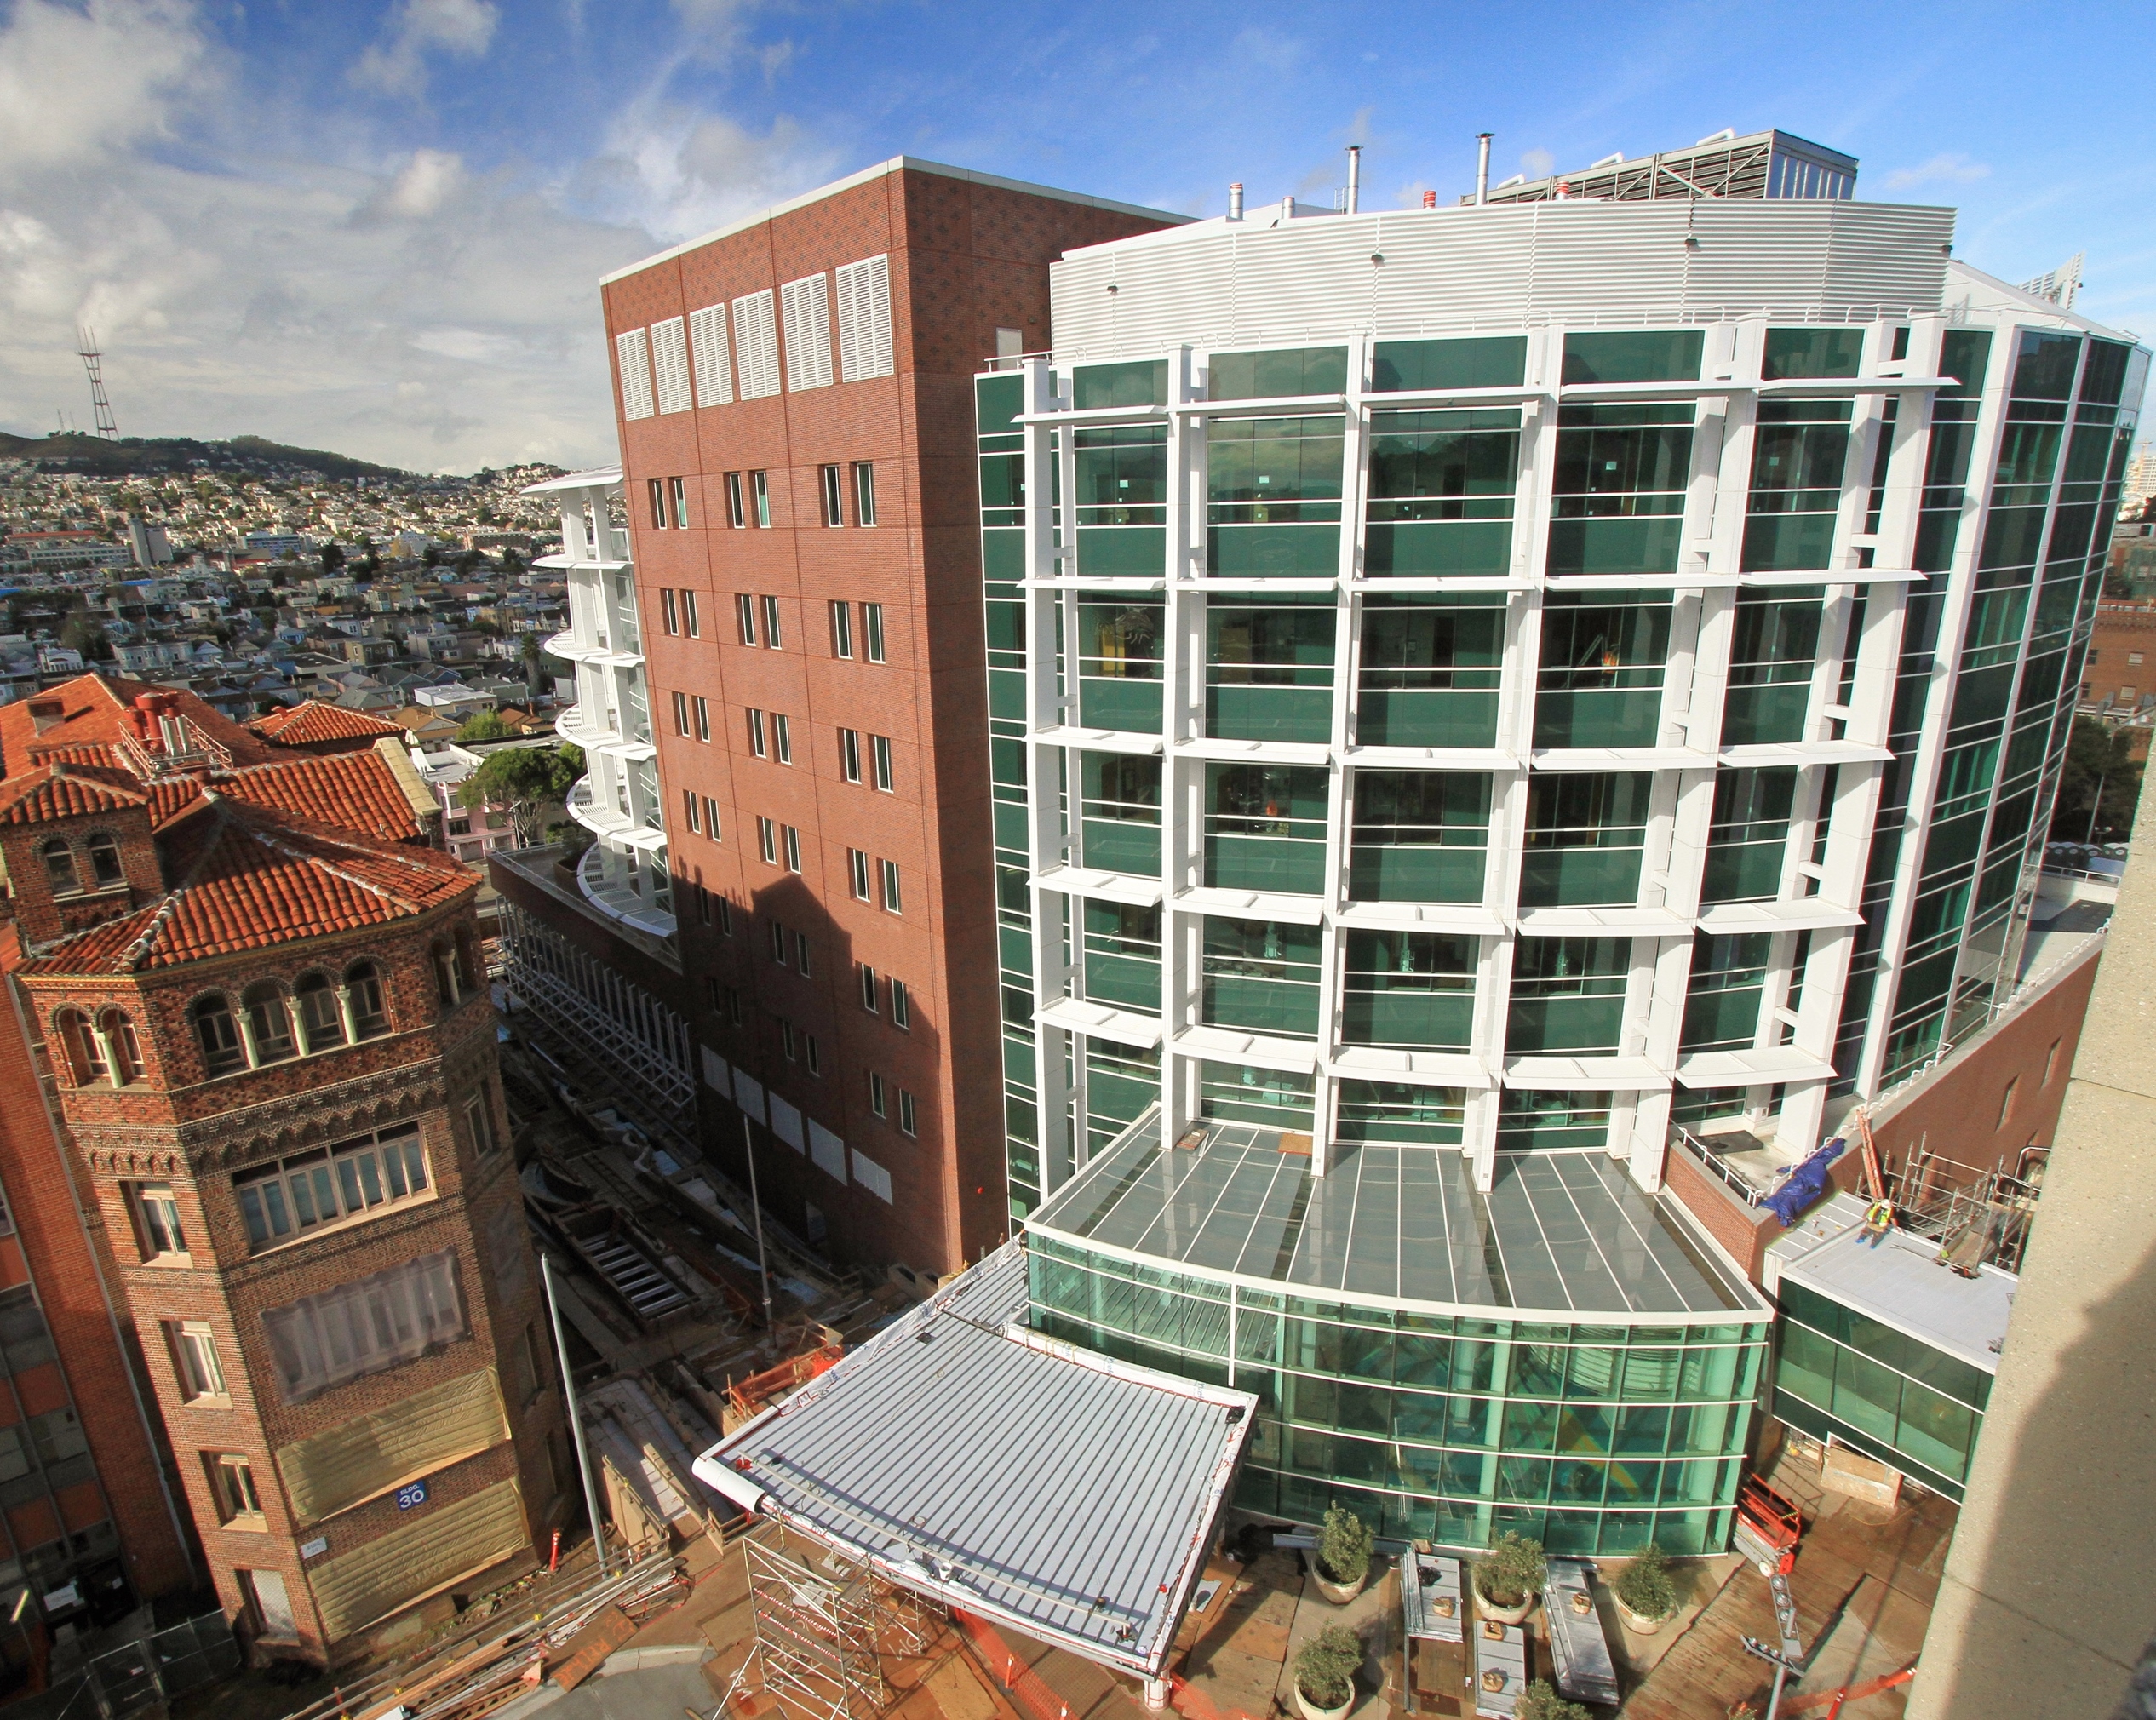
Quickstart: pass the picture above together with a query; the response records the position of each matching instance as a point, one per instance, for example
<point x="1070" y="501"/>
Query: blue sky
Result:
<point x="378" y="227"/>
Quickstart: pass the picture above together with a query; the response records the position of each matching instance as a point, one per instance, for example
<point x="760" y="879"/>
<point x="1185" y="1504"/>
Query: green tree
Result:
<point x="331" y="556"/>
<point x="2099" y="784"/>
<point x="83" y="632"/>
<point x="483" y="725"/>
<point x="523" y="780"/>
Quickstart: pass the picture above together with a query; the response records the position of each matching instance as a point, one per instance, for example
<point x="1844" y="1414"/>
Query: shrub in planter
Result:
<point x="1343" y="1548"/>
<point x="1325" y="1666"/>
<point x="1541" y="1701"/>
<point x="1644" y="1587"/>
<point x="1510" y="1574"/>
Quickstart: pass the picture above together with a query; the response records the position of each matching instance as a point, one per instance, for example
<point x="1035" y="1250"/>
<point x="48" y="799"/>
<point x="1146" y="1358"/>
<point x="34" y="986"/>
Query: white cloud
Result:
<point x="1949" y="170"/>
<point x="1537" y="164"/>
<point x="428" y="182"/>
<point x="75" y="85"/>
<point x="398" y="62"/>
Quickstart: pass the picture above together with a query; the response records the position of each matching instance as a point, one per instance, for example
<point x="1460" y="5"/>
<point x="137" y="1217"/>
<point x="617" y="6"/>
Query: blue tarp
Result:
<point x="1806" y="1184"/>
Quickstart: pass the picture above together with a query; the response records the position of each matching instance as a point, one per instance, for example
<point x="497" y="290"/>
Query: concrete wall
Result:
<point x="2046" y="1606"/>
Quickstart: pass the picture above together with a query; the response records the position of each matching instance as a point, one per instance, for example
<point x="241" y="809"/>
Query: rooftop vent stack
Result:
<point x="1355" y="177"/>
<point x="1429" y="200"/>
<point x="1482" y="168"/>
<point x="1235" y="201"/>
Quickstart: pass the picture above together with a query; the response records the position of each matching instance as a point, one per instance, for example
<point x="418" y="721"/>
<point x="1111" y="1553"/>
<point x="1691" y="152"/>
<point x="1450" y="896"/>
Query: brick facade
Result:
<point x="967" y="259"/>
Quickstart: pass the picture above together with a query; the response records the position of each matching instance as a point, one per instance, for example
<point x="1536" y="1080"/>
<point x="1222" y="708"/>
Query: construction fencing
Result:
<point x="139" y="1676"/>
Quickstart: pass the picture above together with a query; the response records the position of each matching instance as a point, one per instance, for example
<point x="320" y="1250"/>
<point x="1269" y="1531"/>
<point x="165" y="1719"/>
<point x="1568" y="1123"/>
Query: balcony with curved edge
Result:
<point x="564" y="645"/>
<point x="609" y="823"/>
<point x="618" y="899"/>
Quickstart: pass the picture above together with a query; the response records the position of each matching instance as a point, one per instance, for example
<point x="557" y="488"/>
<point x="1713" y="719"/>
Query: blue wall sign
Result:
<point x="413" y="1493"/>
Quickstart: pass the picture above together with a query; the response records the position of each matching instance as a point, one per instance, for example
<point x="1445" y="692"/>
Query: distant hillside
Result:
<point x="134" y="454"/>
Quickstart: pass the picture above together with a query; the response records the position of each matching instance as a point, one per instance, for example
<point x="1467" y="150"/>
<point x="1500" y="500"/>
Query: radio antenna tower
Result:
<point x="94" y="362"/>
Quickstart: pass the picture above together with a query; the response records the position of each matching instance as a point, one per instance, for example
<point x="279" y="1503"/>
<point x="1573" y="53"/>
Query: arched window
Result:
<point x="218" y="1033"/>
<point x="445" y="985"/>
<point x="105" y="861"/>
<point x="270" y="1020"/>
<point x="60" y="868"/>
<point x="369" y="1009"/>
<point x="126" y="1049"/>
<point x="320" y="1019"/>
<point x="78" y="1045"/>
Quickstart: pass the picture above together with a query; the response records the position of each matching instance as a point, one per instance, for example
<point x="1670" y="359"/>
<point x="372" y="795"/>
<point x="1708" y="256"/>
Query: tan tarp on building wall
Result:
<point x="444" y="1423"/>
<point x="428" y="1554"/>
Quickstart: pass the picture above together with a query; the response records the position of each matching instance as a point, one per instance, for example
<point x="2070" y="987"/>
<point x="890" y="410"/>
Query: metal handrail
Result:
<point x="1707" y="1157"/>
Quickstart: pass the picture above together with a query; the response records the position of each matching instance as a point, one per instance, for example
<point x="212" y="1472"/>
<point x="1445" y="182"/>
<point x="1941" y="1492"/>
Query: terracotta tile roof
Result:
<point x="312" y="722"/>
<point x="94" y="713"/>
<point x="349" y="791"/>
<point x="62" y="791"/>
<point x="250" y="879"/>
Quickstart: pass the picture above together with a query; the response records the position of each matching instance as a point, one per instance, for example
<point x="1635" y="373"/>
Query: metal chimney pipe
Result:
<point x="1235" y="201"/>
<point x="1355" y="177"/>
<point x="1482" y="168"/>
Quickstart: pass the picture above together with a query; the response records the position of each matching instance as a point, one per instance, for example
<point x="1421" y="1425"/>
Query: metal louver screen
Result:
<point x="333" y="1471"/>
<point x="443" y="1545"/>
<point x="670" y="362"/>
<point x="631" y="351"/>
<point x="756" y="345"/>
<point x="864" y="319"/>
<point x="708" y="346"/>
<point x="807" y="305"/>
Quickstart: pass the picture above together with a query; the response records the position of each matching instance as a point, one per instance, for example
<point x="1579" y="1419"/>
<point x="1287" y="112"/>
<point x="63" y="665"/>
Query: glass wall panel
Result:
<point x="1600" y="681"/>
<point x="1813" y="351"/>
<point x="1568" y="995"/>
<point x="1268" y="670"/>
<point x="1121" y="1081"/>
<point x="1773" y="652"/>
<point x="1137" y="383"/>
<point x="1585" y="834"/>
<point x="1123" y="954"/>
<point x="1262" y="975"/>
<point x="1272" y="1099"/>
<point x="1119" y="662"/>
<point x="1748" y="836"/>
<point x="1273" y="496"/>
<point x="1122" y="500"/>
<point x="1531" y="1121"/>
<point x="1488" y="361"/>
<point x="1264" y="826"/>
<point x="1419" y="836"/>
<point x="1394" y="1111"/>
<point x="1618" y="488"/>
<point x="1408" y="989"/>
<point x="1722" y="998"/>
<point x="1633" y="356"/>
<point x="1441" y="495"/>
<point x="1430" y="671"/>
<point x="1800" y="453"/>
<point x="1289" y="374"/>
<point x="1120" y="813"/>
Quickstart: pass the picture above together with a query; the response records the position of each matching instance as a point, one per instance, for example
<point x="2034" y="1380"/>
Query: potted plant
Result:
<point x="1541" y="1701"/>
<point x="1508" y="1578"/>
<point x="1324" y="1671"/>
<point x="1646" y="1595"/>
<point x="1343" y="1563"/>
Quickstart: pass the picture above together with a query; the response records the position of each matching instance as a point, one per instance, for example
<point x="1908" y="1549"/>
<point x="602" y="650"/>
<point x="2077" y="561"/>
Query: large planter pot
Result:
<point x="1312" y="1711"/>
<point x="1339" y="1594"/>
<point x="1488" y="1608"/>
<point x="1639" y="1624"/>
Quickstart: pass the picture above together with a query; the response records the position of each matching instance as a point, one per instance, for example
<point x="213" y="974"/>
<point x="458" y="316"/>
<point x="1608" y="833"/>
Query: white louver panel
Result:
<point x="827" y="1150"/>
<point x="756" y="345"/>
<point x="872" y="1176"/>
<point x="708" y="346"/>
<point x="631" y="352"/>
<point x="670" y="363"/>
<point x="864" y="319"/>
<point x="807" y="305"/>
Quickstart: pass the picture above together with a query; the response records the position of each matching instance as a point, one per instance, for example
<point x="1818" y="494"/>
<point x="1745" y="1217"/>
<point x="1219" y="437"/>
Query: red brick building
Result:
<point x="255" y="981"/>
<point x="798" y="439"/>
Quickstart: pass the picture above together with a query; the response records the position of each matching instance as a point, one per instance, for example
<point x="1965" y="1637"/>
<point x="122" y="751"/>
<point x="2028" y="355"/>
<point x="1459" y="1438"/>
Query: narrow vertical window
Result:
<point x="864" y="493"/>
<point x="745" y="617"/>
<point x="734" y="517"/>
<point x="879" y="758"/>
<point x="680" y="504"/>
<point x="689" y="622"/>
<point x="811" y="1054"/>
<point x="891" y="903"/>
<point x="756" y="732"/>
<point x="770" y="624"/>
<point x="872" y="629"/>
<point x="658" y="504"/>
<point x="857" y="864"/>
<point x="704" y="717"/>
<point x="733" y="1005"/>
<point x="782" y="738"/>
<point x="793" y="849"/>
<point x="867" y="987"/>
<point x="767" y="841"/>
<point x="680" y="714"/>
<point x="841" y="630"/>
<point x="2051" y="1061"/>
<point x="801" y="955"/>
<point x="759" y="488"/>
<point x="850" y="754"/>
<point x="667" y="609"/>
<point x="711" y="817"/>
<point x="689" y="812"/>
<point x="908" y="1119"/>
<point x="786" y="1041"/>
<point x="778" y="941"/>
<point x="834" y="497"/>
<point x="901" y="1004"/>
<point x="877" y="1102"/>
<point x="726" y="907"/>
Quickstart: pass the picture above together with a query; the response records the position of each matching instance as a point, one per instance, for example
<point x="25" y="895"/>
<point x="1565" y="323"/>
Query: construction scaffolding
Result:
<point x="825" y="1625"/>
